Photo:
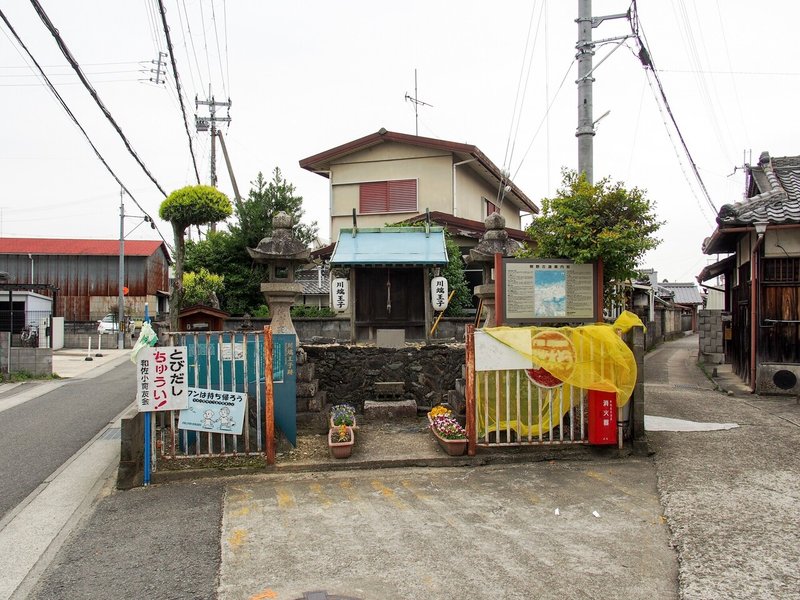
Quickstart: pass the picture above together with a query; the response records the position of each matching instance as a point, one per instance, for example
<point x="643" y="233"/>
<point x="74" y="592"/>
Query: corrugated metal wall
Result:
<point x="89" y="284"/>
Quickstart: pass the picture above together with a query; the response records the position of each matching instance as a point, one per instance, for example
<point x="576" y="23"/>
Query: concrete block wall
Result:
<point x="712" y="340"/>
<point x="35" y="361"/>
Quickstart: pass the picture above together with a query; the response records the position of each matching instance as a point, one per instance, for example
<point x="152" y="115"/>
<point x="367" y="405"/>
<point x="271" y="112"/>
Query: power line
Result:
<point x="194" y="50"/>
<point x="645" y="58"/>
<point x="77" y="123"/>
<point x="76" y="67"/>
<point x="219" y="54"/>
<point x="177" y="84"/>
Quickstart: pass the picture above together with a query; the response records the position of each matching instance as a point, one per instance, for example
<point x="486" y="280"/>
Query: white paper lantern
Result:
<point x="439" y="293"/>
<point x="340" y="294"/>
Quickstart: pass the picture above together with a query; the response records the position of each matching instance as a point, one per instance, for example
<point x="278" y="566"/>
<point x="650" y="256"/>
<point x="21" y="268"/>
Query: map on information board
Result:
<point x="547" y="291"/>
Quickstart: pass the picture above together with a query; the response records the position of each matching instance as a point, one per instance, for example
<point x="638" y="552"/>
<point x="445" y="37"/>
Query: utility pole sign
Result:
<point x="162" y="379"/>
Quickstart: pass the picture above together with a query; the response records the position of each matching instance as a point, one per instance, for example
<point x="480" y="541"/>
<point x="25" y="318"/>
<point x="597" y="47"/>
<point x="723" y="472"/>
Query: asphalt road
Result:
<point x="39" y="435"/>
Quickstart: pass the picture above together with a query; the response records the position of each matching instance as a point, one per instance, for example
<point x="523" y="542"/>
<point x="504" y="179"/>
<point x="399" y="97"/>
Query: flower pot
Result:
<point x="341" y="449"/>
<point x="452" y="447"/>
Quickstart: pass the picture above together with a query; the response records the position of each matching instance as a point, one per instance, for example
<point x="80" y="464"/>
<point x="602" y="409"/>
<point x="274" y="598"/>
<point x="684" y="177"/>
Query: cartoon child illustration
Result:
<point x="225" y="420"/>
<point x="208" y="419"/>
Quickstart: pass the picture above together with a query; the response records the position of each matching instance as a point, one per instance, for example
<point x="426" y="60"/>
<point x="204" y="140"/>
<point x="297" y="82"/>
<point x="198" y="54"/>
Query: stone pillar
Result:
<point x="494" y="241"/>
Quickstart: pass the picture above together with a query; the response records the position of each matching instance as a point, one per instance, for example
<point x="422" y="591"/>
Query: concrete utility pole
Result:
<point x="585" y="48"/>
<point x="210" y="122"/>
<point x="121" y="300"/>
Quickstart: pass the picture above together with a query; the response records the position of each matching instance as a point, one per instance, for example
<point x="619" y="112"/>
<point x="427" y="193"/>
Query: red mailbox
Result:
<point x="602" y="417"/>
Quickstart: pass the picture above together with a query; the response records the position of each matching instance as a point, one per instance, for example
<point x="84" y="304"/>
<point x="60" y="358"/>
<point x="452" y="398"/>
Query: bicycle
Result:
<point x="30" y="336"/>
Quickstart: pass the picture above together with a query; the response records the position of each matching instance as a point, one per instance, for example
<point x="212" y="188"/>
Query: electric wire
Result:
<point x="646" y="57"/>
<point x="72" y="116"/>
<point x="502" y="189"/>
<point x="516" y="108"/>
<point x="163" y="12"/>
<point x="186" y="51"/>
<point x="707" y="91"/>
<point x="225" y="22"/>
<point x="194" y="49"/>
<point x="205" y="46"/>
<point x="77" y="68"/>
<point x="661" y="110"/>
<point x="219" y="54"/>
<point x="742" y="120"/>
<point x="544" y="117"/>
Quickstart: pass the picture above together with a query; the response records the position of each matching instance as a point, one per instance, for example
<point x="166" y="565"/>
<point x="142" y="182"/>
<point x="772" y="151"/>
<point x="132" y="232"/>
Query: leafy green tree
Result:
<point x="456" y="280"/>
<point x="225" y="252"/>
<point x="202" y="287"/>
<point x="586" y="222"/>
<point x="265" y="199"/>
<point x="191" y="205"/>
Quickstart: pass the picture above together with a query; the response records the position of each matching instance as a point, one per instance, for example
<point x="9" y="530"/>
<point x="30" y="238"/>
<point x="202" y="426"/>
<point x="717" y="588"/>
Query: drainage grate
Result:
<point x="323" y="595"/>
<point x="111" y="434"/>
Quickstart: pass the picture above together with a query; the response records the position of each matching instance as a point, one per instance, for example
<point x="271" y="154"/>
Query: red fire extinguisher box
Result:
<point x="602" y="417"/>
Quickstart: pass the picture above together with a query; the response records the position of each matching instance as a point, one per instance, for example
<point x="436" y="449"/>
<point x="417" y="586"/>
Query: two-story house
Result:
<point x="388" y="177"/>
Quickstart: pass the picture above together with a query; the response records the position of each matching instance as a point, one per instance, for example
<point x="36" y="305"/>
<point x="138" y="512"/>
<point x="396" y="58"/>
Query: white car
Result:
<point x="108" y="324"/>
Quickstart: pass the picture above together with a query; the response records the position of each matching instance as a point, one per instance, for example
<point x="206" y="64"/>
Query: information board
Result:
<point x="547" y="290"/>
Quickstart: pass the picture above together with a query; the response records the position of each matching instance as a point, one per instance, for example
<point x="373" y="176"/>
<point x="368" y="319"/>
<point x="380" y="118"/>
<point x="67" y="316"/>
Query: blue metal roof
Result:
<point x="390" y="246"/>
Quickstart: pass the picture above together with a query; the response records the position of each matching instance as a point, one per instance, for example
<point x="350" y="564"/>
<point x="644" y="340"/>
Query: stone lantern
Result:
<point x="494" y="241"/>
<point x="282" y="254"/>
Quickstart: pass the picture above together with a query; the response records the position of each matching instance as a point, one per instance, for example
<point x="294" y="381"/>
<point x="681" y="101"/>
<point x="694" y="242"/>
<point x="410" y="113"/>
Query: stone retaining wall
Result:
<point x="712" y="339"/>
<point x="349" y="373"/>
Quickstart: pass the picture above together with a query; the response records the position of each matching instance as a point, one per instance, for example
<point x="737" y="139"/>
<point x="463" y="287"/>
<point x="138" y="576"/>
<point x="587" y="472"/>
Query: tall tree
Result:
<point x="225" y="252"/>
<point x="586" y="222"/>
<point x="265" y="199"/>
<point x="191" y="205"/>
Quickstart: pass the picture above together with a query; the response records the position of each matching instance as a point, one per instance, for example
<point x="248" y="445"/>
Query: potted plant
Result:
<point x="341" y="440"/>
<point x="343" y="414"/>
<point x="437" y="411"/>
<point x="450" y="434"/>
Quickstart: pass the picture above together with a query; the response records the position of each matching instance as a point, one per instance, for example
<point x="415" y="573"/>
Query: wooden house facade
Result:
<point x="761" y="238"/>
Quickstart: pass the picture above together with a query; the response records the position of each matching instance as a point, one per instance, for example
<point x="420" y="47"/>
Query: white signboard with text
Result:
<point x="161" y="379"/>
<point x="217" y="411"/>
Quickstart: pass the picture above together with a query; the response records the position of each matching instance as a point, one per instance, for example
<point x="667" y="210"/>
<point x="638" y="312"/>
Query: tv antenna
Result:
<point x="417" y="103"/>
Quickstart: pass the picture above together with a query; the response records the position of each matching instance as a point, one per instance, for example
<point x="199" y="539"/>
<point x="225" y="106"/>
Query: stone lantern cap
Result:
<point x="493" y="241"/>
<point x="282" y="246"/>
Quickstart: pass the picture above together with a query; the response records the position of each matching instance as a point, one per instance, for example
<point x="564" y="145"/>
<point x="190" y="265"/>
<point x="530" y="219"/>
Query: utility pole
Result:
<point x="210" y="122"/>
<point x="121" y="282"/>
<point x="585" y="47"/>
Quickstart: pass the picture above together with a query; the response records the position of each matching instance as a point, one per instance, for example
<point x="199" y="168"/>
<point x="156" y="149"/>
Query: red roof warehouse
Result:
<point x="86" y="273"/>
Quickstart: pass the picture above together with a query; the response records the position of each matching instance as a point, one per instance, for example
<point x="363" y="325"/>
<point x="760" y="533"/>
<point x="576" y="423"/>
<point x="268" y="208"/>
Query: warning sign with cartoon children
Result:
<point x="216" y="411"/>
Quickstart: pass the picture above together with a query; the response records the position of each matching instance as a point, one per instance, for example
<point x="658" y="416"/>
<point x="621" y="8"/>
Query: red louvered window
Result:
<point x="399" y="195"/>
<point x="491" y="207"/>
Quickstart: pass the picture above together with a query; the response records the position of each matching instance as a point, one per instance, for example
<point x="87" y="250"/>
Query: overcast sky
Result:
<point x="306" y="76"/>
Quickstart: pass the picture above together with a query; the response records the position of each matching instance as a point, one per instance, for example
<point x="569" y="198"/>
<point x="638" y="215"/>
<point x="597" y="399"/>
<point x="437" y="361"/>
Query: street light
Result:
<point x="121" y="282"/>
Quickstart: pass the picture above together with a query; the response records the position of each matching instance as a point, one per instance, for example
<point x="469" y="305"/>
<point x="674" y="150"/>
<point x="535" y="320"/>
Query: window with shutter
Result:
<point x="388" y="196"/>
<point x="491" y="207"/>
